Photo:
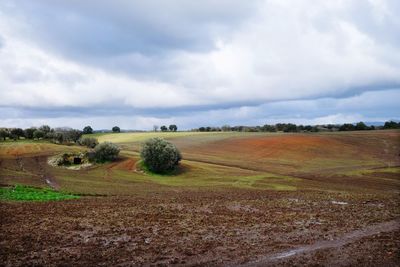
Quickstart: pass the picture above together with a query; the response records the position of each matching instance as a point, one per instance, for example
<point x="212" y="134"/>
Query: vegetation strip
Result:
<point x="26" y="193"/>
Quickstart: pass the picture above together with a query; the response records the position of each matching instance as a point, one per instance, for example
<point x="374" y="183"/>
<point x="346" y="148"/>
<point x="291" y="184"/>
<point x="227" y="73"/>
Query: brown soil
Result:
<point x="231" y="227"/>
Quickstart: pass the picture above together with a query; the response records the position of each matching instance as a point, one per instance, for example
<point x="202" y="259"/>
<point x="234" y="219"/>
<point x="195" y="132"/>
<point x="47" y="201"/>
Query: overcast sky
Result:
<point x="196" y="63"/>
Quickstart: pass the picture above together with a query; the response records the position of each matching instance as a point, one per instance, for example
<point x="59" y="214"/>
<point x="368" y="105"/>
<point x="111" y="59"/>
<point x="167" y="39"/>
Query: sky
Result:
<point x="136" y="64"/>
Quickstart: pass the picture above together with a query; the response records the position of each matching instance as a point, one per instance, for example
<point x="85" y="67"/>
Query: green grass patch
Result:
<point x="26" y="193"/>
<point x="374" y="170"/>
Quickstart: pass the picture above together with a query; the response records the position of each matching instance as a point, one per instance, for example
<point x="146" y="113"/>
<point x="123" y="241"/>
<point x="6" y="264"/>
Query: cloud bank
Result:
<point x="136" y="63"/>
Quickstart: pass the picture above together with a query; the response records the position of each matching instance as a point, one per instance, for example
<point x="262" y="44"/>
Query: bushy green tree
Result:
<point x="29" y="132"/>
<point x="38" y="134"/>
<point x="163" y="128"/>
<point x="361" y="126"/>
<point x="87" y="130"/>
<point x="72" y="135"/>
<point x="45" y="128"/>
<point x="268" y="128"/>
<point x="391" y="125"/>
<point x="106" y="151"/>
<point x="347" y="127"/>
<point x="290" y="128"/>
<point x="58" y="137"/>
<point x="173" y="128"/>
<point x="88" y="141"/>
<point x="3" y="134"/>
<point x="159" y="155"/>
<point x="17" y="133"/>
<point x="116" y="129"/>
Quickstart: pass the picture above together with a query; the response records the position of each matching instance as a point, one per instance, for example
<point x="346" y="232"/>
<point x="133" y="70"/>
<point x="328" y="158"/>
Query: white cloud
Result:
<point x="283" y="51"/>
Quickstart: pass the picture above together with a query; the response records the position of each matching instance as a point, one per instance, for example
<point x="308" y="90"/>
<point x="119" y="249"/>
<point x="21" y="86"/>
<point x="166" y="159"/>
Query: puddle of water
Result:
<point x="287" y="254"/>
<point x="339" y="202"/>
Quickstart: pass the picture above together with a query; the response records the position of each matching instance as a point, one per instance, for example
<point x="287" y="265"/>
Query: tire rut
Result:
<point x="342" y="241"/>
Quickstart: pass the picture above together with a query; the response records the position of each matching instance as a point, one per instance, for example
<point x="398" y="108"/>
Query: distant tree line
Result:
<point x="293" y="128"/>
<point x="56" y="135"/>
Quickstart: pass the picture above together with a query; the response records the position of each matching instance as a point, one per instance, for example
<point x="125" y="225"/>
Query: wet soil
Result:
<point x="221" y="228"/>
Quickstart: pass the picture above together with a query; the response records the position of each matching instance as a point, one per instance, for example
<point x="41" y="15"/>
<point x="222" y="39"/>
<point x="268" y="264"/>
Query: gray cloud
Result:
<point x="175" y="59"/>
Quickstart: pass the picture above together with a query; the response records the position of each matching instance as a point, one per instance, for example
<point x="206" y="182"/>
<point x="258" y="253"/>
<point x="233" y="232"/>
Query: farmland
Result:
<point x="251" y="199"/>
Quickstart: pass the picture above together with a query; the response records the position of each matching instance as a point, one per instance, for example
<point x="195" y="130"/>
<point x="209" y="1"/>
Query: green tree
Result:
<point x="29" y="132"/>
<point x="347" y="127"/>
<point x="361" y="126"/>
<point x="290" y="128"/>
<point x="38" y="134"/>
<point x="17" y="133"/>
<point x="87" y="130"/>
<point x="173" y="128"/>
<point x="116" y="129"/>
<point x="268" y="128"/>
<point x="3" y="134"/>
<point x="45" y="128"/>
<point x="72" y="135"/>
<point x="164" y="128"/>
<point x="391" y="125"/>
<point x="160" y="156"/>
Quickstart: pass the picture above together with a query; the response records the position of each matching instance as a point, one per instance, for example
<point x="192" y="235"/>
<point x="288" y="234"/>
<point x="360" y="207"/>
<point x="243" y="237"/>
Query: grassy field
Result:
<point x="244" y="195"/>
<point x="271" y="161"/>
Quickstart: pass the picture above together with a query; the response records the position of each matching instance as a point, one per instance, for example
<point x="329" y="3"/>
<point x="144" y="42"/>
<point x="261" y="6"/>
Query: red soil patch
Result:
<point x="293" y="153"/>
<point x="296" y="146"/>
<point x="303" y="146"/>
<point x="125" y="165"/>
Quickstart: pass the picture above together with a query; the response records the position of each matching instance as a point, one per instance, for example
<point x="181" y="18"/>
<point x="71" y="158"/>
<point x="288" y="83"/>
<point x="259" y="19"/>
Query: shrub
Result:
<point x="72" y="135"/>
<point x="38" y="134"/>
<point x="106" y="151"/>
<point x="159" y="155"/>
<point x="88" y="141"/>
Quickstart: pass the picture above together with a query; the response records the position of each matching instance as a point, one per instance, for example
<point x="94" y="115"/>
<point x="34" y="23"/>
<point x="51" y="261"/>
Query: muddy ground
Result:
<point x="197" y="228"/>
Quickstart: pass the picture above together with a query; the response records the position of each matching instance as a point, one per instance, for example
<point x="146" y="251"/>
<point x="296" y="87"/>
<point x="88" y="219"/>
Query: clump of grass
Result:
<point x="26" y="193"/>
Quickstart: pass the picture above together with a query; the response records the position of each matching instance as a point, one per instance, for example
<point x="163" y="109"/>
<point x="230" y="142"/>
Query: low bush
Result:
<point x="160" y="156"/>
<point x="106" y="151"/>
